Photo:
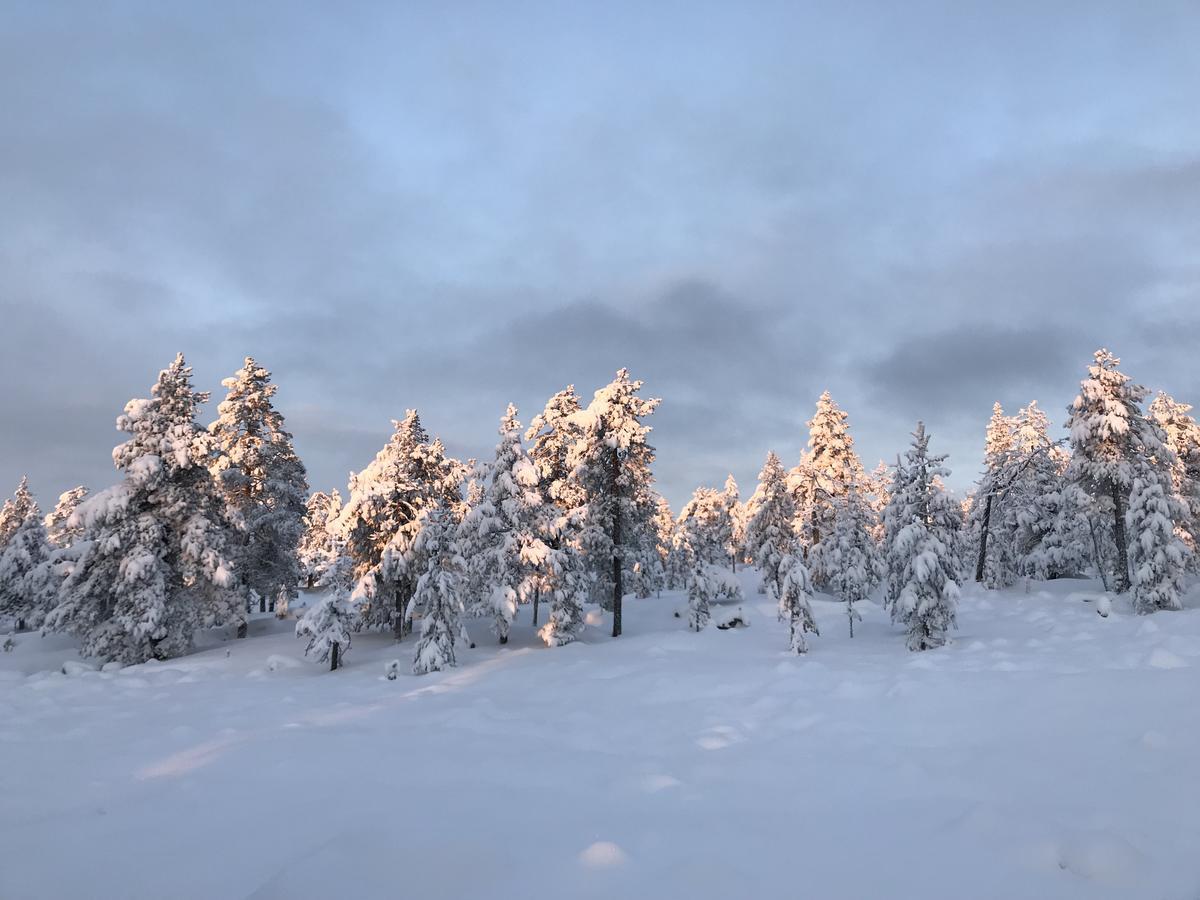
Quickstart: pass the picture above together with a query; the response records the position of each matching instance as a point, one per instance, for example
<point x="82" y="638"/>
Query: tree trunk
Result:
<point x="1096" y="553"/>
<point x="537" y="593"/>
<point x="398" y="617"/>
<point x="262" y="604"/>
<point x="618" y="588"/>
<point x="333" y="657"/>
<point x="242" y="628"/>
<point x="1119" y="536"/>
<point x="983" y="537"/>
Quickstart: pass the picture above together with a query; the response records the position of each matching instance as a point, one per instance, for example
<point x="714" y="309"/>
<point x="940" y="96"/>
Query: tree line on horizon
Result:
<point x="208" y="523"/>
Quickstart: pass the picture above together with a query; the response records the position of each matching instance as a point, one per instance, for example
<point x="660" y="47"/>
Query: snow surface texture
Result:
<point x="1045" y="752"/>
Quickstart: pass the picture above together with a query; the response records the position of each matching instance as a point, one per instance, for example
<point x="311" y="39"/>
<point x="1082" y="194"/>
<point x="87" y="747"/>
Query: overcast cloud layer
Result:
<point x="921" y="207"/>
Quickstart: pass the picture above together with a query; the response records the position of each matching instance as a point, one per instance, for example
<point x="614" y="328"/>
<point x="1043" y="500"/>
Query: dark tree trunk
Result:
<point x="983" y="538"/>
<point x="618" y="587"/>
<point x="536" y="596"/>
<point x="333" y="657"/>
<point x="1119" y="536"/>
<point x="262" y="604"/>
<point x="1096" y="553"/>
<point x="242" y="628"/>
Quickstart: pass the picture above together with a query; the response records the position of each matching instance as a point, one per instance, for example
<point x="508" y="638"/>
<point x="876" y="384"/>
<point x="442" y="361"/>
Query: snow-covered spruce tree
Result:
<point x="876" y="491"/>
<point x="1058" y="539"/>
<point x="156" y="562"/>
<point x="855" y="559"/>
<point x="1183" y="437"/>
<point x="769" y="536"/>
<point x="504" y="530"/>
<point x="330" y="623"/>
<point x="826" y="471"/>
<point x="610" y="463"/>
<point x="1157" y="554"/>
<point x="57" y="529"/>
<point x="1112" y="444"/>
<point x="29" y="580"/>
<point x="379" y="518"/>
<point x="263" y="483"/>
<point x="15" y="510"/>
<point x="438" y="593"/>
<point x="564" y="581"/>
<point x="322" y="545"/>
<point x="921" y="567"/>
<point x="794" y="607"/>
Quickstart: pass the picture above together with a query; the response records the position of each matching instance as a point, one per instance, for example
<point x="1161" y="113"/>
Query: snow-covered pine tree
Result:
<point x="330" y="623"/>
<point x="564" y="581"/>
<point x="438" y="593"/>
<point x="825" y="474"/>
<point x="379" y="518"/>
<point x="855" y="559"/>
<point x="1113" y="443"/>
<point x="1158" y="556"/>
<point x="707" y="525"/>
<point x="322" y="545"/>
<point x="610" y="463"/>
<point x="769" y="536"/>
<point x="550" y="436"/>
<point x="794" y="607"/>
<point x="263" y="483"/>
<point x="664" y="534"/>
<point x="921" y="564"/>
<point x="157" y="562"/>
<point x="57" y="529"/>
<point x="736" y="511"/>
<point x="1183" y="437"/>
<point x="29" y="581"/>
<point x="15" y="510"/>
<point x="504" y="530"/>
<point x="991" y="520"/>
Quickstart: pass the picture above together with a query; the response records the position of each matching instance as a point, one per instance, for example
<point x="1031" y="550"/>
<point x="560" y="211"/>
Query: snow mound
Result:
<point x="1161" y="658"/>
<point x="77" y="667"/>
<point x="602" y="854"/>
<point x="1100" y="856"/>
<point x="277" y="661"/>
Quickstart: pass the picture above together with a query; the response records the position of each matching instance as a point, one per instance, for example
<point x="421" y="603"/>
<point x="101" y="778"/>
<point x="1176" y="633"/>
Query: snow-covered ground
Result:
<point x="1048" y="752"/>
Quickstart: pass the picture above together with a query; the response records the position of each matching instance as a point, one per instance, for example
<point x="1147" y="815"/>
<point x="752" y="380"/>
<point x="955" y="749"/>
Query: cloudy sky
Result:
<point x="922" y="207"/>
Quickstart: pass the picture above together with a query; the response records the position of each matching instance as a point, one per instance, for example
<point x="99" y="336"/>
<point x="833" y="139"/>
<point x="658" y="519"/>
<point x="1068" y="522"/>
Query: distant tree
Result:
<point x="322" y="545"/>
<point x="15" y="511"/>
<point x="29" y="580"/>
<point x="708" y="525"/>
<point x="57" y="530"/>
<point x="769" y="536"/>
<point x="1183" y="437"/>
<point x="824" y="475"/>
<point x="736" y="545"/>
<point x="855" y="559"/>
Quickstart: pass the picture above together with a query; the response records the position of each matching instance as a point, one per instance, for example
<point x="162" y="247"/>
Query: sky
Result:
<point x="920" y="207"/>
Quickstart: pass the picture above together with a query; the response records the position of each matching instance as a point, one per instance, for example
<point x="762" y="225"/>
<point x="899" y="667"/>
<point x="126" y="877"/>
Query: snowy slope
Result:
<point x="1048" y="752"/>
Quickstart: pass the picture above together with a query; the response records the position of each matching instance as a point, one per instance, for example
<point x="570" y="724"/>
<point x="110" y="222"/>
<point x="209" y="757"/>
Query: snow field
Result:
<point x="1046" y="752"/>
